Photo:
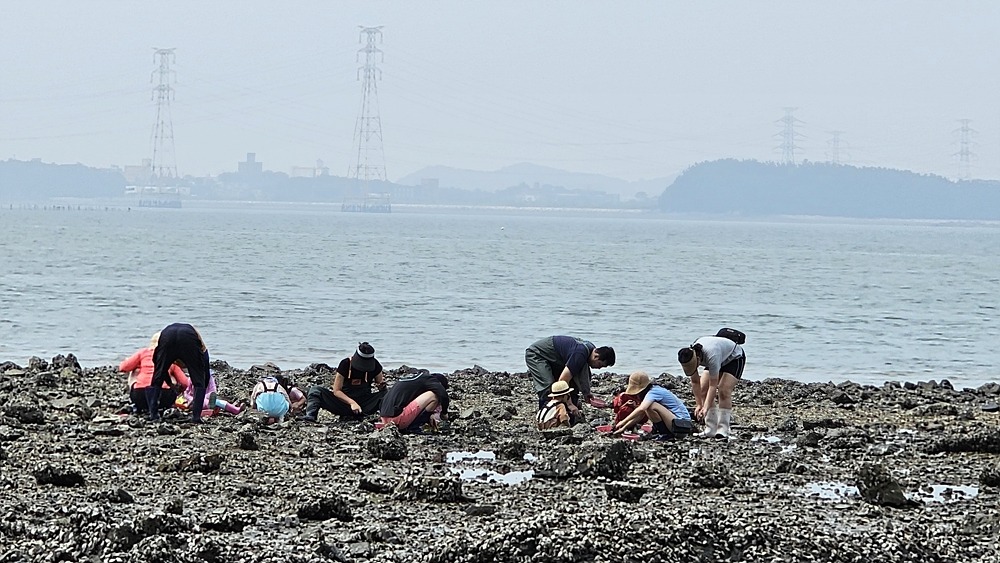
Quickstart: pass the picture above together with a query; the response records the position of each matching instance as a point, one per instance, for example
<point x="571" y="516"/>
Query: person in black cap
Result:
<point x="416" y="400"/>
<point x="351" y="395"/>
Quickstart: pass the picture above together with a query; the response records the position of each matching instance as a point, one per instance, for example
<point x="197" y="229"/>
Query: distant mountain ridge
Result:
<point x="753" y="188"/>
<point x="530" y="174"/>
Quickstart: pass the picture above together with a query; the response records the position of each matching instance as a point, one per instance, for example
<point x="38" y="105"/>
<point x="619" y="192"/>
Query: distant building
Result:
<point x="310" y="171"/>
<point x="138" y="175"/>
<point x="250" y="167"/>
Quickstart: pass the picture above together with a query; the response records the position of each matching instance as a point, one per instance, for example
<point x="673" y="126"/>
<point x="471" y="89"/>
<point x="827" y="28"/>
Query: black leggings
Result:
<point x="180" y="342"/>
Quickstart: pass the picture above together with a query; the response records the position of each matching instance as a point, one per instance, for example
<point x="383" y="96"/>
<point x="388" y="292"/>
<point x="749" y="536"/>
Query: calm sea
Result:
<point x="820" y="300"/>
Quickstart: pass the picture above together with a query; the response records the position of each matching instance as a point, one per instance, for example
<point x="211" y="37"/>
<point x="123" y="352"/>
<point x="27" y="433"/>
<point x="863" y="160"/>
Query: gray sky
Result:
<point x="627" y="89"/>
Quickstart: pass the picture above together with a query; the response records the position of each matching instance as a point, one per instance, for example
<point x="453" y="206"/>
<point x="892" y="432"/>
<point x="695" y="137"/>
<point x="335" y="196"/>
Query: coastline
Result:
<point x="788" y="488"/>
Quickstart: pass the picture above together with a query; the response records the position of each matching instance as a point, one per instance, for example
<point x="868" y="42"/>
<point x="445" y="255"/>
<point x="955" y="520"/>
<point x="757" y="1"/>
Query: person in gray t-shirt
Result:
<point x="723" y="360"/>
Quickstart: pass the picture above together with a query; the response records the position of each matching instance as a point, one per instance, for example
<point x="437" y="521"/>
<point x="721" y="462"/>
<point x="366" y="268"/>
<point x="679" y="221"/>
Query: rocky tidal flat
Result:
<point x="816" y="472"/>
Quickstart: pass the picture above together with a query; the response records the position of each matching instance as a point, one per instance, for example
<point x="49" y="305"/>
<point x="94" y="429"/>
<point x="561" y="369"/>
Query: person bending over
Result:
<point x="416" y="400"/>
<point x="569" y="359"/>
<point x="723" y="360"/>
<point x="180" y="344"/>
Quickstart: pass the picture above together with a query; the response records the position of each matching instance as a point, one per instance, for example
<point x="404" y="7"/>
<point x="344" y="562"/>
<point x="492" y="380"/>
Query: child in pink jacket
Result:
<point x="139" y="366"/>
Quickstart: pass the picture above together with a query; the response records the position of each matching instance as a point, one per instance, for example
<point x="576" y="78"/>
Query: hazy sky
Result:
<point x="627" y="89"/>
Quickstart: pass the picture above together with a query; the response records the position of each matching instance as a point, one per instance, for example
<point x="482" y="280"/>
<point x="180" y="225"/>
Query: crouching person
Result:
<point x="559" y="411"/>
<point x="351" y="396"/>
<point x="670" y="418"/>
<point x="274" y="398"/>
<point x="416" y="400"/>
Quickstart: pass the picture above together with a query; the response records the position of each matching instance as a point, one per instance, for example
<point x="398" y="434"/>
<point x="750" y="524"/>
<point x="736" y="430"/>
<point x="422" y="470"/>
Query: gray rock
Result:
<point x="387" y="443"/>
<point x="58" y="476"/>
<point x="876" y="486"/>
<point x="625" y="492"/>
<point x="333" y="506"/>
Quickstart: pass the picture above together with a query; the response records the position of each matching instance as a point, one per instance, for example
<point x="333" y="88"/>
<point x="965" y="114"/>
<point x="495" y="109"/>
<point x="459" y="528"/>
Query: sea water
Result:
<point x="819" y="299"/>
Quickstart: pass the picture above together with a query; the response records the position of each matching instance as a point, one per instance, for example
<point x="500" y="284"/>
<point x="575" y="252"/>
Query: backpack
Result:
<point x="552" y="415"/>
<point x="732" y="334"/>
<point x="623" y="406"/>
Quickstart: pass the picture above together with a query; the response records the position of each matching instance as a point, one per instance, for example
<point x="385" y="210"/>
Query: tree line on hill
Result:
<point x="752" y="188"/>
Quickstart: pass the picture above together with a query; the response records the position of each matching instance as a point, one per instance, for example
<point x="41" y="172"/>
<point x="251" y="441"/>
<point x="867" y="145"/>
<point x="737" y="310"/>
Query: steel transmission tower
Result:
<point x="370" y="164"/>
<point x="965" y="142"/>
<point x="788" y="136"/>
<point x="164" y="162"/>
<point x="835" y="147"/>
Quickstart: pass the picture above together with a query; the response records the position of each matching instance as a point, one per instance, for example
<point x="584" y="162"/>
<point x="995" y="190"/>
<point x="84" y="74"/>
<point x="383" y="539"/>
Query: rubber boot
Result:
<point x="725" y="417"/>
<point x="312" y="411"/>
<point x="153" y="402"/>
<point x="228" y="407"/>
<point x="711" y="423"/>
<point x="197" y="403"/>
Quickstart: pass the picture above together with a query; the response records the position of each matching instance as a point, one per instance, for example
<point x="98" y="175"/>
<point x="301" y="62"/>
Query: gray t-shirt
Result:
<point x="717" y="352"/>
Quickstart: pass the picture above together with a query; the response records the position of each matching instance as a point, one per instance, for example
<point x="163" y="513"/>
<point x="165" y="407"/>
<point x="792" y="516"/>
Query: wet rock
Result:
<point x="625" y="492"/>
<point x="510" y="449"/>
<point x="58" y="476"/>
<point x="10" y="368"/>
<point x="333" y="506"/>
<point x="791" y="466"/>
<point x="809" y="439"/>
<point x="67" y="366"/>
<point x="113" y="496"/>
<point x="990" y="476"/>
<point x="37" y="364"/>
<point x="877" y="486"/>
<point x="614" y="462"/>
<point x="269" y="369"/>
<point x="431" y="489"/>
<point x="983" y="440"/>
<point x="229" y="522"/>
<point x="174" y="506"/>
<point x="502" y="390"/>
<point x="376" y="482"/>
<point x="167" y="429"/>
<point x="480" y="509"/>
<point x="823" y="423"/>
<point x="25" y="414"/>
<point x="387" y="444"/>
<point x="711" y="475"/>
<point x="847" y="438"/>
<point x="937" y="409"/>
<point x="790" y="425"/>
<point x="841" y="398"/>
<point x="196" y="463"/>
<point x="989" y="389"/>
<point x="479" y="427"/>
<point x="248" y="441"/>
<point x="990" y="407"/>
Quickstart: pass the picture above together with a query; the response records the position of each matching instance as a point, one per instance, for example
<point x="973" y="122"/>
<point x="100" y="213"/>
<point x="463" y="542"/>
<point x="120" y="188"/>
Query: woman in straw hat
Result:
<point x="558" y="411"/>
<point x="139" y="366"/>
<point x="723" y="360"/>
<point x="668" y="414"/>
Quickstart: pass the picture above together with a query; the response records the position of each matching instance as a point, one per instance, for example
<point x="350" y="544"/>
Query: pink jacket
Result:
<point x="142" y="364"/>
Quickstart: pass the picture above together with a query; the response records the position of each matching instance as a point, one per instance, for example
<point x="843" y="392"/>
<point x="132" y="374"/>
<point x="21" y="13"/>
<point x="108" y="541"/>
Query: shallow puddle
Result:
<point x="830" y="490"/>
<point x="469" y="467"/>
<point x="945" y="493"/>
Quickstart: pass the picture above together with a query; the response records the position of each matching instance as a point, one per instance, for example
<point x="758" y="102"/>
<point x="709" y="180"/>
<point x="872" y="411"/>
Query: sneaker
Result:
<point x="211" y="399"/>
<point x="658" y="437"/>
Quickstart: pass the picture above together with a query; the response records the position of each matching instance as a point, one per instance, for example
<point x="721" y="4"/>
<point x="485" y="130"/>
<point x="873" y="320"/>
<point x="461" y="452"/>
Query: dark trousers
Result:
<point x="180" y="341"/>
<point x="139" y="404"/>
<point x="320" y="397"/>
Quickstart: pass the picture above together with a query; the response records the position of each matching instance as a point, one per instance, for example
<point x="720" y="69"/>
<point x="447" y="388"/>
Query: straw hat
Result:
<point x="637" y="382"/>
<point x="691" y="365"/>
<point x="560" y="388"/>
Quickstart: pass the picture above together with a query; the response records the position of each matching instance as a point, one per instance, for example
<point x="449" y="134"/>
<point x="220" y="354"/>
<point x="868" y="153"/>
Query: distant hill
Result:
<point x="531" y="174"/>
<point x="761" y="188"/>
<point x="25" y="180"/>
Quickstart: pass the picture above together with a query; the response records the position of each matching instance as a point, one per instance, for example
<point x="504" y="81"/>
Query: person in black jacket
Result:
<point x="416" y="400"/>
